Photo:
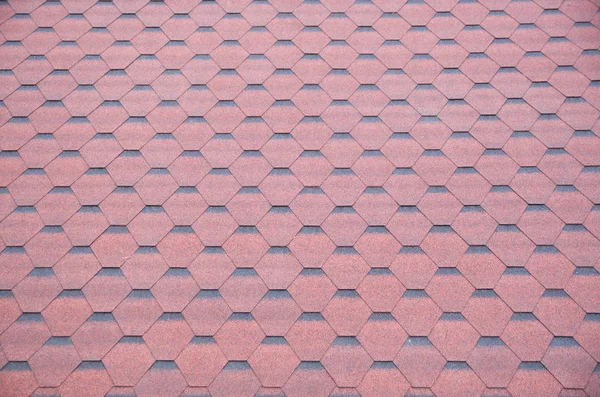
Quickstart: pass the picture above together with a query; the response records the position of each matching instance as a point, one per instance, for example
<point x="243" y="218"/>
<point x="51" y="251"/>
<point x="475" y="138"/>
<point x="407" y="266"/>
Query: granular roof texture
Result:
<point x="240" y="198"/>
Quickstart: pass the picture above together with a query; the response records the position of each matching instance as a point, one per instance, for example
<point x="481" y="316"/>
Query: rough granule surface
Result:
<point x="237" y="198"/>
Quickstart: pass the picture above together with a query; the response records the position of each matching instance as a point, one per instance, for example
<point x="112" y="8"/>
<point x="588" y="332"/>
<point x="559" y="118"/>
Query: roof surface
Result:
<point x="299" y="198"/>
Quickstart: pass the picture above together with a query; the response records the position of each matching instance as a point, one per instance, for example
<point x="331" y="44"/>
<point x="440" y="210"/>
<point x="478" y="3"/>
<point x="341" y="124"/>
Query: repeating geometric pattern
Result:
<point x="299" y="198"/>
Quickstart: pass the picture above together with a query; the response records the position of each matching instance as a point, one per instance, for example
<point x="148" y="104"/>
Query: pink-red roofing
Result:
<point x="296" y="198"/>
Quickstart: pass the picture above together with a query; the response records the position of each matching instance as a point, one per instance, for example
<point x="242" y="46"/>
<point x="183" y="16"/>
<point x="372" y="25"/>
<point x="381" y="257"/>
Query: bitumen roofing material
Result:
<point x="240" y="198"/>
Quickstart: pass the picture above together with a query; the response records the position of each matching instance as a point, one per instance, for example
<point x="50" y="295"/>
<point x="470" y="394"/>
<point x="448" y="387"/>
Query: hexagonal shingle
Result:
<point x="379" y="197"/>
